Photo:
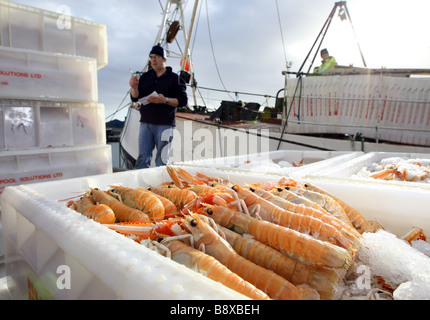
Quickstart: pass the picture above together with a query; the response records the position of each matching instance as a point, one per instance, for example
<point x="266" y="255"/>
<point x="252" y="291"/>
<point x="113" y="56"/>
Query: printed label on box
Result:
<point x="9" y="182"/>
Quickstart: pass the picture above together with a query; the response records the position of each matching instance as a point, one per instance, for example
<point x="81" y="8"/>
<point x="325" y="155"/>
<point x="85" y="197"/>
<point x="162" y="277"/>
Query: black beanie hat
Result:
<point x="158" y="50"/>
<point x="324" y="51"/>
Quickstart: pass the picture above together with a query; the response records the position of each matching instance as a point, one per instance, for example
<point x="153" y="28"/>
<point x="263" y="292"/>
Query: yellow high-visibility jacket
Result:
<point x="327" y="64"/>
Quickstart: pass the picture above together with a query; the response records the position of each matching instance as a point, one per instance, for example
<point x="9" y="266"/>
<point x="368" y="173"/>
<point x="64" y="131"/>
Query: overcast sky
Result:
<point x="250" y="50"/>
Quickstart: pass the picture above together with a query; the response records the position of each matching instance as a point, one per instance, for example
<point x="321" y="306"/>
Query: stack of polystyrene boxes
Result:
<point x="51" y="125"/>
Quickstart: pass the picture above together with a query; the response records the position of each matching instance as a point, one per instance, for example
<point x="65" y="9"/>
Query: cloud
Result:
<point x="246" y="40"/>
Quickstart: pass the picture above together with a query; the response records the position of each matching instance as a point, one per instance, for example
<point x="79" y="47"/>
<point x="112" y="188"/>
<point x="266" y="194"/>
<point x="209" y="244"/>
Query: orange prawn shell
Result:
<point x="266" y="280"/>
<point x="213" y="269"/>
<point x="141" y="200"/>
<point x="180" y="197"/>
<point x="100" y="213"/>
<point x="122" y="212"/>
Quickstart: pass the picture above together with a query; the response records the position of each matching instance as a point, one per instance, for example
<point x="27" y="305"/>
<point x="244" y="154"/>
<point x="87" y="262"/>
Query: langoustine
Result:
<point x="170" y="240"/>
<point x="317" y="213"/>
<point x="311" y="261"/>
<point x="306" y="224"/>
<point x="122" y="212"/>
<point x="266" y="280"/>
<point x="141" y="200"/>
<point x="100" y="213"/>
<point x="324" y="201"/>
<point x="180" y="197"/>
<point x="211" y="268"/>
<point x="356" y="218"/>
<point x="299" y="246"/>
<point x="324" y="280"/>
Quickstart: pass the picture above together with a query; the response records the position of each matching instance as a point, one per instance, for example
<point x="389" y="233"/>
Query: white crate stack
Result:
<point x="48" y="96"/>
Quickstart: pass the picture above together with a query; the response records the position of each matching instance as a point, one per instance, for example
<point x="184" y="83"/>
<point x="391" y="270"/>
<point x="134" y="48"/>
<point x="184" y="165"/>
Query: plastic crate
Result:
<point x="26" y="124"/>
<point x="25" y="27"/>
<point x="31" y="166"/>
<point x="28" y="74"/>
<point x="276" y="162"/>
<point x="397" y="205"/>
<point x="349" y="170"/>
<point x="41" y="234"/>
<point x="379" y="107"/>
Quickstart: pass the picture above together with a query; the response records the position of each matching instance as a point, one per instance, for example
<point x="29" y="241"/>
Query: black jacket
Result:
<point x="171" y="86"/>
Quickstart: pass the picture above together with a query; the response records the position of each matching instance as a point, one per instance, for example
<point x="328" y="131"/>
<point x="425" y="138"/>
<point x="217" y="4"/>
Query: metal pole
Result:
<point x="162" y="28"/>
<point x="163" y="22"/>
<point x="186" y="57"/>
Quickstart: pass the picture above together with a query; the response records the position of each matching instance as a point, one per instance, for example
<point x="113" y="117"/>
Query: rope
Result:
<point x="119" y="107"/>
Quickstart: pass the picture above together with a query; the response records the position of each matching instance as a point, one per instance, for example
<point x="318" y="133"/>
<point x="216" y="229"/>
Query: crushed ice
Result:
<point x="402" y="266"/>
<point x="415" y="169"/>
<point x="266" y="165"/>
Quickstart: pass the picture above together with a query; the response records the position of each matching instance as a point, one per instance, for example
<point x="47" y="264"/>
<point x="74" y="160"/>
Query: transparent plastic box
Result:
<point x="379" y="107"/>
<point x="349" y="170"/>
<point x="31" y="166"/>
<point x="41" y="234"/>
<point x="28" y="124"/>
<point x="25" y="27"/>
<point x="103" y="264"/>
<point x="398" y="206"/>
<point x="28" y="74"/>
<point x="276" y="162"/>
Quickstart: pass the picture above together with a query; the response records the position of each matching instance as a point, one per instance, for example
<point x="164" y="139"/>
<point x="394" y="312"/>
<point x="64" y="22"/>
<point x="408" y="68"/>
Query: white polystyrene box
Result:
<point x="30" y="166"/>
<point x="40" y="124"/>
<point x="29" y="74"/>
<point x="25" y="27"/>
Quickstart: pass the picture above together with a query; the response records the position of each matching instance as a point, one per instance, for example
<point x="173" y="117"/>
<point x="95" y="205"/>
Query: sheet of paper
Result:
<point x="144" y="100"/>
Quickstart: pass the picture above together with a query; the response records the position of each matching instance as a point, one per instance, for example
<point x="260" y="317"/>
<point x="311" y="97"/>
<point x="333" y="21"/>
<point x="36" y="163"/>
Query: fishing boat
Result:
<point x="343" y="109"/>
<point x="45" y="242"/>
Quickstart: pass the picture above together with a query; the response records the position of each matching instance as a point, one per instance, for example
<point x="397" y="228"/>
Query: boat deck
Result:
<point x="272" y="125"/>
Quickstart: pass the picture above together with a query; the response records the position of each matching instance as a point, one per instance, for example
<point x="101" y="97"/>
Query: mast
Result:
<point x="187" y="54"/>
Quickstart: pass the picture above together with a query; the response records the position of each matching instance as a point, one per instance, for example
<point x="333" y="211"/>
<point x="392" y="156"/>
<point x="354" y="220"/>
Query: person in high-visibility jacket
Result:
<point x="328" y="62"/>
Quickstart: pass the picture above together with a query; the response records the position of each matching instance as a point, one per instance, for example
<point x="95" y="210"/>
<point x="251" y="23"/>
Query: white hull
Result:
<point x="191" y="142"/>
<point x="198" y="140"/>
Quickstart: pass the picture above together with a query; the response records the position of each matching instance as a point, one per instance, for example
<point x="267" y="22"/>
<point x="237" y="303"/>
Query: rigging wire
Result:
<point x="120" y="107"/>
<point x="282" y="33"/>
<point x="213" y="52"/>
<point x="196" y="28"/>
<point x="355" y="35"/>
<point x="117" y="110"/>
<point x="244" y="93"/>
<point x="199" y="88"/>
